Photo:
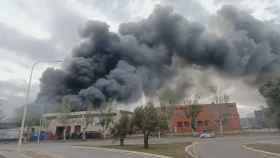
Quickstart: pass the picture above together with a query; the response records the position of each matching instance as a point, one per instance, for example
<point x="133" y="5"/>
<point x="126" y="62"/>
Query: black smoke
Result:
<point x="142" y="57"/>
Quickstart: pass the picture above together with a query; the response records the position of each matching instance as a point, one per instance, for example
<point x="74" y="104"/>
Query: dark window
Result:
<point x="186" y="124"/>
<point x="179" y="124"/>
<point x="199" y="123"/>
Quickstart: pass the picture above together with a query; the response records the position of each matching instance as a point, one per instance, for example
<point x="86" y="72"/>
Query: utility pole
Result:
<point x="26" y="102"/>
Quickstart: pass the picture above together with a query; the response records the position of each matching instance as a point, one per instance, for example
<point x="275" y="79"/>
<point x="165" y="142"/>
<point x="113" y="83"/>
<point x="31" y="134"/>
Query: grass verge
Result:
<point x="274" y="148"/>
<point x="34" y="154"/>
<point x="175" y="150"/>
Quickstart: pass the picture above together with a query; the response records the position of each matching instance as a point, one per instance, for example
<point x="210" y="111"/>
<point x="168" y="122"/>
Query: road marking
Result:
<point x="191" y="150"/>
<point x="260" y="151"/>
<point x="121" y="151"/>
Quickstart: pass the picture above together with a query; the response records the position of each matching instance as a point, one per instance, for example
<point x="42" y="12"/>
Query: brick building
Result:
<point x="212" y="118"/>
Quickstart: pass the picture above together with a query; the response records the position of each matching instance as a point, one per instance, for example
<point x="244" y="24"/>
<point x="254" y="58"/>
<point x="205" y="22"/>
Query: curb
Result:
<point x="191" y="149"/>
<point x="120" y="151"/>
<point x="260" y="151"/>
<point x="40" y="152"/>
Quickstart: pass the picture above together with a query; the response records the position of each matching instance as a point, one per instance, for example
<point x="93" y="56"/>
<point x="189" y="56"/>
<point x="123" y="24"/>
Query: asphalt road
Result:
<point x="66" y="151"/>
<point x="227" y="147"/>
<point x="231" y="147"/>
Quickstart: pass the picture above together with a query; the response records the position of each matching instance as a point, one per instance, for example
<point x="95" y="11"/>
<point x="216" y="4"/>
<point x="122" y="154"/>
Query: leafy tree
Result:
<point x="146" y="119"/>
<point x="163" y="122"/>
<point x="271" y="92"/>
<point x="122" y="128"/>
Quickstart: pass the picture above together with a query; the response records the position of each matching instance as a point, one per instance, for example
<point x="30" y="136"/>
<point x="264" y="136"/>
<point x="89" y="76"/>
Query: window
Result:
<point x="186" y="124"/>
<point x="199" y="123"/>
<point x="206" y="122"/>
<point x="179" y="124"/>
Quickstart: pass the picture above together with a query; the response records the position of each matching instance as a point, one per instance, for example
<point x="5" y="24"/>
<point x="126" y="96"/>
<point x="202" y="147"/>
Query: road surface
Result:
<point x="227" y="147"/>
<point x="231" y="147"/>
<point x="64" y="150"/>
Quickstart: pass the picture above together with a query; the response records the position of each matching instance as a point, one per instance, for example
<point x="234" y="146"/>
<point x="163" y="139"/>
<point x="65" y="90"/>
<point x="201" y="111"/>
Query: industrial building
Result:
<point x="75" y="123"/>
<point x="218" y="118"/>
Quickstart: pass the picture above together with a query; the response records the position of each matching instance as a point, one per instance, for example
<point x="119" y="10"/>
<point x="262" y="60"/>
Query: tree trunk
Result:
<point x="121" y="141"/>
<point x="64" y="134"/>
<point x="84" y="134"/>
<point x="104" y="134"/>
<point x="146" y="141"/>
<point x="221" y="127"/>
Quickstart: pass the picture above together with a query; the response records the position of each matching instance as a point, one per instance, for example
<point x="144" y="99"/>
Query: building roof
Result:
<point x="212" y="104"/>
<point x="81" y="113"/>
<point x="75" y="114"/>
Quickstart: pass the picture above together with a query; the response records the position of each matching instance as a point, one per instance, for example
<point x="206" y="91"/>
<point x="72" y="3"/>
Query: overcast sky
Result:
<point x="35" y="30"/>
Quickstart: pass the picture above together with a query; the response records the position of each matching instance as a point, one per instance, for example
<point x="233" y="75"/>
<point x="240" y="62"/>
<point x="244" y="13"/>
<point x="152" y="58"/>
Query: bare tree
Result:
<point x="106" y="120"/>
<point x="192" y="113"/>
<point x="87" y="119"/>
<point x="64" y="109"/>
<point x="2" y="116"/>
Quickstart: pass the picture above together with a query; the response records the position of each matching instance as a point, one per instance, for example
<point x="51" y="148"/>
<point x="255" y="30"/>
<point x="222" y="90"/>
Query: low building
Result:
<point x="248" y="123"/>
<point x="211" y="117"/>
<point x="73" y="124"/>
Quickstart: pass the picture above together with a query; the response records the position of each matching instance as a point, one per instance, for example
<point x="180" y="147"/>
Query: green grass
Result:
<point x="175" y="150"/>
<point x="274" y="148"/>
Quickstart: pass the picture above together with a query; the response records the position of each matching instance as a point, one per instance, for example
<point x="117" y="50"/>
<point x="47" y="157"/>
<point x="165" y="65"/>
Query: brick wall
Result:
<point x="208" y="119"/>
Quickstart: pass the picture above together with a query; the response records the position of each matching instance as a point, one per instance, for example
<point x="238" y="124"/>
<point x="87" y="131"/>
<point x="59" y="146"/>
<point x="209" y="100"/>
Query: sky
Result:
<point x="45" y="30"/>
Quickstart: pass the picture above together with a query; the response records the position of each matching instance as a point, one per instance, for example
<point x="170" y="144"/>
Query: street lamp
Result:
<point x="27" y="98"/>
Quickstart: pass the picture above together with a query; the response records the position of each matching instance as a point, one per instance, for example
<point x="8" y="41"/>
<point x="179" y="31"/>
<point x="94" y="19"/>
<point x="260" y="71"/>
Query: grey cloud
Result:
<point x="228" y="1"/>
<point x="63" y="24"/>
<point x="24" y="45"/>
<point x="12" y="95"/>
<point x="114" y="9"/>
<point x="190" y="9"/>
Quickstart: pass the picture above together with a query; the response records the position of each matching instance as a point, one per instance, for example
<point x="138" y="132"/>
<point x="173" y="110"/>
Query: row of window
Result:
<point x="186" y="124"/>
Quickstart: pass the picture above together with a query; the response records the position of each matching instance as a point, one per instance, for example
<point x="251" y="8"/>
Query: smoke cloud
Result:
<point x="146" y="55"/>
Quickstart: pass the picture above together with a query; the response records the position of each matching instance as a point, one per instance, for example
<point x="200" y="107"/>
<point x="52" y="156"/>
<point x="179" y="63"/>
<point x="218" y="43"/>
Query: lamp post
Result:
<point x="27" y="99"/>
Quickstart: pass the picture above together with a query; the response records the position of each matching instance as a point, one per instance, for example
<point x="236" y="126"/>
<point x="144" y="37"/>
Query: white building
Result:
<point x="75" y="123"/>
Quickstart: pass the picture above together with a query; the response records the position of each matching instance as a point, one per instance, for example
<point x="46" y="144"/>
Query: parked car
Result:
<point x="206" y="135"/>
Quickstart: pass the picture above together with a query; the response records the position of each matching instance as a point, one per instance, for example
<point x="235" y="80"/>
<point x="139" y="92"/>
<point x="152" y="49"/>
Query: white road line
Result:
<point x="260" y="151"/>
<point x="121" y="151"/>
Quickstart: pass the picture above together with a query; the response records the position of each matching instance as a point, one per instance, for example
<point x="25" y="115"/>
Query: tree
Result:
<point x="163" y="123"/>
<point x="32" y="118"/>
<point x="222" y="118"/>
<point x="64" y="109"/>
<point x="122" y="128"/>
<point x="169" y="97"/>
<point x="146" y="119"/>
<point x="271" y="92"/>
<point x="2" y="116"/>
<point x="105" y="120"/>
<point x="193" y="112"/>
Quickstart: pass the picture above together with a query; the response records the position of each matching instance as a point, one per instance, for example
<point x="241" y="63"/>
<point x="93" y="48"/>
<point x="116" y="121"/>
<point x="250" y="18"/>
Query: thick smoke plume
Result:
<point x="144" y="56"/>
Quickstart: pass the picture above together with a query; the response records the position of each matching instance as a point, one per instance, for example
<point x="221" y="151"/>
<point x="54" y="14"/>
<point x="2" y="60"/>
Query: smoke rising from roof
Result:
<point x="146" y="55"/>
